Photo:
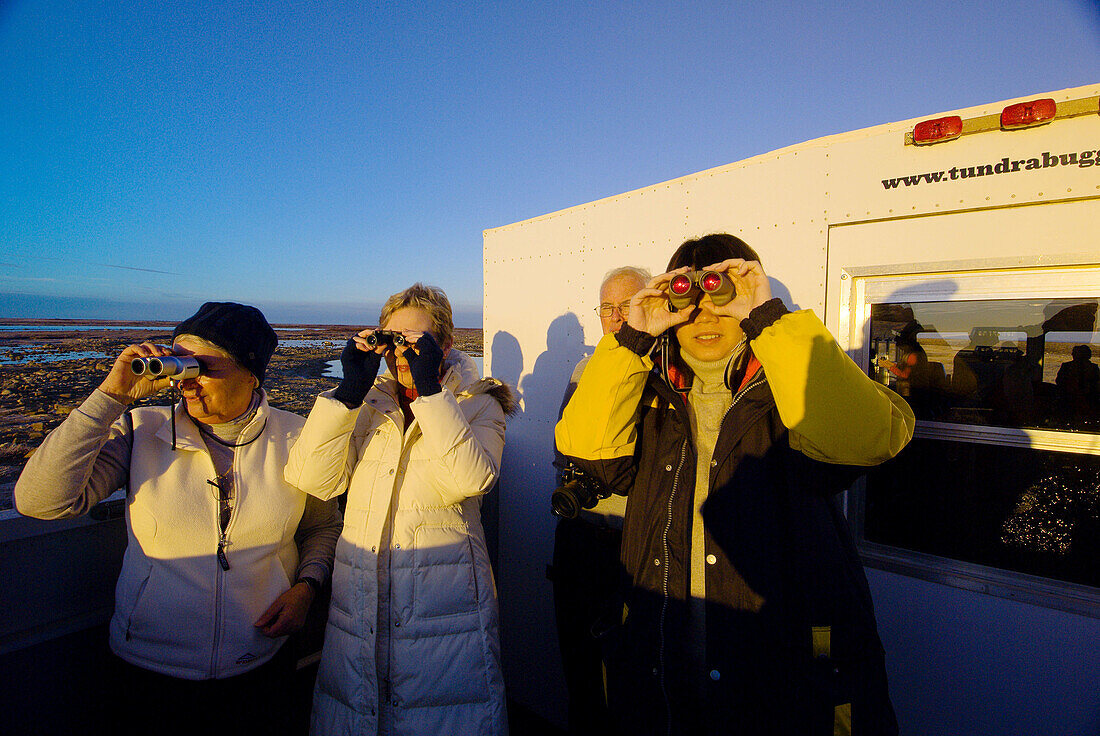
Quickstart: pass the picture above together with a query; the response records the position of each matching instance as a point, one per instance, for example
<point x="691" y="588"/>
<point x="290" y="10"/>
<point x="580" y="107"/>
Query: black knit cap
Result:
<point x="238" y="329"/>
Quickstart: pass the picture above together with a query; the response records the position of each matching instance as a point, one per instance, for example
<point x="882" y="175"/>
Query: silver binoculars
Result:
<point x="176" y="367"/>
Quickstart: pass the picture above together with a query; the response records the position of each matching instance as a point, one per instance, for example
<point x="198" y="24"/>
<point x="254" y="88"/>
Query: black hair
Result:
<point x="710" y="249"/>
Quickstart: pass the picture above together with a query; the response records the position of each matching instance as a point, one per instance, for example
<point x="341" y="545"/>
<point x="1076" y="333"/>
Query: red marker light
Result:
<point x="680" y="285"/>
<point x="710" y="281"/>
<point x="938" y="130"/>
<point x="1026" y="114"/>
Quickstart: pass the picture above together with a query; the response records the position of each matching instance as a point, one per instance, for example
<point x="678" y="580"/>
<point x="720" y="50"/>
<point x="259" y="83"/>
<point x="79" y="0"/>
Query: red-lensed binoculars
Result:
<point x="688" y="288"/>
<point x="388" y="338"/>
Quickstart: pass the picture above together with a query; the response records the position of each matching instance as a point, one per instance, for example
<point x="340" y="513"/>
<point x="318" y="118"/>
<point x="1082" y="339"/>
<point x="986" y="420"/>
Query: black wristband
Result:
<point x="313" y="583"/>
<point x="762" y="317"/>
<point x="635" y="341"/>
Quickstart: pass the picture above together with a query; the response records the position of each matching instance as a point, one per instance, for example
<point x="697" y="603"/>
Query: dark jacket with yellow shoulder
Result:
<point x="791" y="641"/>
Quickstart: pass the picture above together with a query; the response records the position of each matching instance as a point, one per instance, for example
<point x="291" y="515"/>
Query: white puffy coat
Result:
<point x="412" y="582"/>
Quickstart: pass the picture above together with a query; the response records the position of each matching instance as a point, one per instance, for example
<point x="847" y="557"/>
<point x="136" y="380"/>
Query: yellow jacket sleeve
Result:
<point x="600" y="420"/>
<point x="834" y="411"/>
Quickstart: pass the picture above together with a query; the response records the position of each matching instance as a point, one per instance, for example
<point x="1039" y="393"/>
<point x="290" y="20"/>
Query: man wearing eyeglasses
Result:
<point x="586" y="551"/>
<point x="618" y="286"/>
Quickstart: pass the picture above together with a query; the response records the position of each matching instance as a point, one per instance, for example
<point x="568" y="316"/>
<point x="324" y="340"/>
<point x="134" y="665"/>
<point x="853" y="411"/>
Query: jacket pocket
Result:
<point x="132" y="616"/>
<point x="444" y="581"/>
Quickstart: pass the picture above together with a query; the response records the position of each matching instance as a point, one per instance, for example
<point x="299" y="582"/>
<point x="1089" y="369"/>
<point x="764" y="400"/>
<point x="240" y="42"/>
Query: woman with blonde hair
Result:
<point x="412" y="644"/>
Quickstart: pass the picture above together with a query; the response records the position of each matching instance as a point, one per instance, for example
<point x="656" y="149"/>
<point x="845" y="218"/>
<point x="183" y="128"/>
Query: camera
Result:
<point x="176" y="367"/>
<point x="577" y="491"/>
<point x="388" y="338"/>
<point x="687" y="288"/>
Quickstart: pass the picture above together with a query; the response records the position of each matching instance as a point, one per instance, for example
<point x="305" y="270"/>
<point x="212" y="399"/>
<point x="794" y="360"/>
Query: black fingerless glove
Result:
<point x="762" y="317"/>
<point x="425" y="366"/>
<point x="360" y="369"/>
<point x="636" y="341"/>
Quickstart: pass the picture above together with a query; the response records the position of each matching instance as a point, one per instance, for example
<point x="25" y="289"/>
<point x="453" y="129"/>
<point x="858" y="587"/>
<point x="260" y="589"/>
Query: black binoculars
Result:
<point x="688" y="288"/>
<point x="176" y="367"/>
<point x="387" y="338"/>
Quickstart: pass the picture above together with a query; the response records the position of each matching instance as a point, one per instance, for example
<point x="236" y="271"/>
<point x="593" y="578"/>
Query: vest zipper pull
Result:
<point x="222" y="559"/>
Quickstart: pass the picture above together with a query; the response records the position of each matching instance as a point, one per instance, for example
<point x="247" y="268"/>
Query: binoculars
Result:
<point x="687" y="288"/>
<point x="387" y="338"/>
<point x="176" y="367"/>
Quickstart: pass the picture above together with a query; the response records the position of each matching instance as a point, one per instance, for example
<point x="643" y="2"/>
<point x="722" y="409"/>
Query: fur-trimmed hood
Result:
<point x="461" y="366"/>
<point x="499" y="390"/>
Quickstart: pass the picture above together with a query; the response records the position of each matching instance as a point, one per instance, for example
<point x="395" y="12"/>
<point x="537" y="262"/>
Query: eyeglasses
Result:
<point x="606" y="310"/>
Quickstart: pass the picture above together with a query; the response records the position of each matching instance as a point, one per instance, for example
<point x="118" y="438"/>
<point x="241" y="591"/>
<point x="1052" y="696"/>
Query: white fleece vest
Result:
<point x="177" y="611"/>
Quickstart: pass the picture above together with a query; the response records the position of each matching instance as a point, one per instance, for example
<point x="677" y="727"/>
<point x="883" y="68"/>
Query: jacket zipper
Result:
<point x="737" y="397"/>
<point x="219" y="573"/>
<point x="664" y="589"/>
<point x="217" y="623"/>
<point x="664" y="551"/>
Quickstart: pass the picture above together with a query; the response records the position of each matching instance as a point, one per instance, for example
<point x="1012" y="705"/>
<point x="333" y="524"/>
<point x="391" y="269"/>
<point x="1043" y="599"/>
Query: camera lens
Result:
<point x="564" y="502"/>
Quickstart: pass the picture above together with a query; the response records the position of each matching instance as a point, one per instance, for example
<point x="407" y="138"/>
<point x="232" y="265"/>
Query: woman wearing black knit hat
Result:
<point x="224" y="557"/>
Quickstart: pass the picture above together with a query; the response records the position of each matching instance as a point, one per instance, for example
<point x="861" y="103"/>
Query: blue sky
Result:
<point x="312" y="158"/>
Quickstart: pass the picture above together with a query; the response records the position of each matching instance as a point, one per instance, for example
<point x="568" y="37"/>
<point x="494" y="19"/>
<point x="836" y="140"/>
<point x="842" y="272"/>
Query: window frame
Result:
<point x="864" y="286"/>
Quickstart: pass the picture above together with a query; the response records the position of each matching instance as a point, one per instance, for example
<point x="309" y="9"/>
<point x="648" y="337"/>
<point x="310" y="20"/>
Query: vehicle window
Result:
<point x="1004" y="469"/>
<point x="1006" y="363"/>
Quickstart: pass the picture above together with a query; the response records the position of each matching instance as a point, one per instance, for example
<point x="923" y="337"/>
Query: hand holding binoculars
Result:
<point x="386" y="338"/>
<point x="176" y="367"/>
<point x="687" y="288"/>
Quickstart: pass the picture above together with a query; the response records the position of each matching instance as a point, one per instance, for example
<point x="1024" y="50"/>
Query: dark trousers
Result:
<point x="256" y="702"/>
<point x="585" y="573"/>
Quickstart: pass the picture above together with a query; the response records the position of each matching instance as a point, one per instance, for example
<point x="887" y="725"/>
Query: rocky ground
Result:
<point x="36" y="395"/>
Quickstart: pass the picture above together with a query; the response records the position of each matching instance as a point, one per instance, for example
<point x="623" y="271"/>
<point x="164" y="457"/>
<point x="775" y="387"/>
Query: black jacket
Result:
<point x="791" y="642"/>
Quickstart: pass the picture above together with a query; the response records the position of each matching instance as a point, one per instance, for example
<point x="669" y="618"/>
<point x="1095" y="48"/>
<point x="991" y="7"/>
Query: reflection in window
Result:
<point x="1017" y="363"/>
<point x="1009" y="363"/>
<point x="1016" y="509"/>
